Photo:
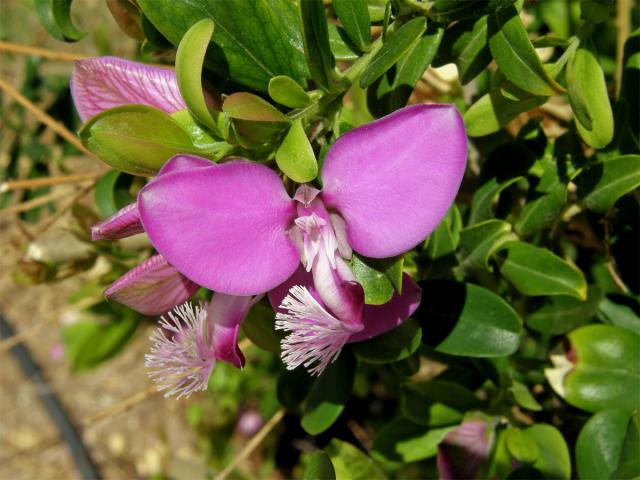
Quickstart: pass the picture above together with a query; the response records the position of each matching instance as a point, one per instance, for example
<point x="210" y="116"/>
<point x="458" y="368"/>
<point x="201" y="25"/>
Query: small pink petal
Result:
<point x="124" y="223"/>
<point x="379" y="319"/>
<point x="226" y="313"/>
<point x="152" y="288"/>
<point x="100" y="83"/>
<point x="394" y="179"/>
<point x="226" y="227"/>
<point x="464" y="451"/>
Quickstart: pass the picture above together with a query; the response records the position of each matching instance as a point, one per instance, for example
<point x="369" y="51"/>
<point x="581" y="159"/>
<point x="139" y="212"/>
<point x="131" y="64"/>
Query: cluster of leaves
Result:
<point x="529" y="318"/>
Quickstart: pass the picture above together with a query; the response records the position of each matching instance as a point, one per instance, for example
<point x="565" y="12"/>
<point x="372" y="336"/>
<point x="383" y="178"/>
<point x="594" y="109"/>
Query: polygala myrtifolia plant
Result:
<point x="496" y="336"/>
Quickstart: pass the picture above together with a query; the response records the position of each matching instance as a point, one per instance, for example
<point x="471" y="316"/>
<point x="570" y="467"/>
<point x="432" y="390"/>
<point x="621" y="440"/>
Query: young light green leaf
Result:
<point x="395" y="48"/>
<point x="351" y="463"/>
<point x="319" y="468"/>
<point x="189" y="62"/>
<point x="316" y="43"/>
<point x="465" y="319"/>
<point x="329" y="395"/>
<point x="392" y="346"/>
<point x="588" y="96"/>
<point x="295" y="155"/>
<point x="355" y="19"/>
<point x="521" y="446"/>
<point x="537" y="271"/>
<point x="600" y="443"/>
<point x="515" y="55"/>
<point x="553" y="460"/>
<point x="253" y="43"/>
<point x="135" y="138"/>
<point x="247" y="106"/>
<point x="602" y="183"/>
<point x="286" y="91"/>
<point x="378" y="277"/>
<point x="341" y="46"/>
<point x="523" y="397"/>
<point x="479" y="241"/>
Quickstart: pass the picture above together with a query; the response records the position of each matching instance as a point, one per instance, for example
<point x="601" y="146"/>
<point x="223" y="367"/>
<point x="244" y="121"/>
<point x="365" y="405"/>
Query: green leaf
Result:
<point x="351" y="463"/>
<point x="319" y="468"/>
<point x="535" y="271"/>
<point x="484" y="198"/>
<point x="404" y="441"/>
<point x="247" y="106"/>
<point x="316" y="43"/>
<point x="466" y="45"/>
<point x="596" y="11"/>
<point x="341" y="46"/>
<point x="515" y="55"/>
<point x="392" y="346"/>
<point x="600" y="442"/>
<point x="556" y="14"/>
<point x="629" y="466"/>
<point x="396" y="47"/>
<point x="189" y="62"/>
<point x="561" y="314"/>
<point x="588" y="96"/>
<point x="89" y="343"/>
<point x="553" y="461"/>
<point x="295" y="155"/>
<point x="465" y="319"/>
<point x="450" y="10"/>
<point x="602" y="183"/>
<point x="521" y="446"/>
<point x="392" y="90"/>
<point x="378" y="277"/>
<point x="523" y="397"/>
<point x="601" y="369"/>
<point x="620" y="314"/>
<point x="286" y="91"/>
<point x="494" y="110"/>
<point x="135" y="138"/>
<point x="292" y="388"/>
<point x="329" y="394"/>
<point x="112" y="192"/>
<point x="479" y="241"/>
<point x="55" y="16"/>
<point x="445" y="238"/>
<point x="541" y="211"/>
<point x="355" y="19"/>
<point x="259" y="328"/>
<point x="255" y="40"/>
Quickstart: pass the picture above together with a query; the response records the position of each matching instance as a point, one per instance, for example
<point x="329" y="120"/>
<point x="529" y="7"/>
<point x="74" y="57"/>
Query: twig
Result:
<point x="43" y="116"/>
<point x="56" y="216"/>
<point x="122" y="406"/>
<point x="33" y="203"/>
<point x="46" y="181"/>
<point x="623" y="26"/>
<point x="252" y="445"/>
<point x="40" y="52"/>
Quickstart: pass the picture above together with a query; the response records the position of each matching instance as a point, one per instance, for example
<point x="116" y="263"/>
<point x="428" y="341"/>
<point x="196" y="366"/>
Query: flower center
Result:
<point x="316" y="337"/>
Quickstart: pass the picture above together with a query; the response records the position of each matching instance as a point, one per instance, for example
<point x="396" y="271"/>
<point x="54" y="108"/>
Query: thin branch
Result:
<point x="58" y="214"/>
<point x="251" y="445"/>
<point x="623" y="28"/>
<point x="40" y="52"/>
<point x="46" y="181"/>
<point x="35" y="202"/>
<point x="43" y="116"/>
<point x="122" y="406"/>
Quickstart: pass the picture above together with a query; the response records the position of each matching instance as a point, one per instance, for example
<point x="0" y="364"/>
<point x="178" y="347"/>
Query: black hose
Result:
<point x="52" y="405"/>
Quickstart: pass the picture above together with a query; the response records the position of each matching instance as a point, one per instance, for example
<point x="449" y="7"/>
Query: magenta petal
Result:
<point x="226" y="312"/>
<point x="465" y="451"/>
<point x="100" y="83"/>
<point x="394" y="179"/>
<point x="225" y="227"/>
<point x="152" y="288"/>
<point x="184" y="162"/>
<point x="338" y="289"/>
<point x="379" y="319"/>
<point x="124" y="223"/>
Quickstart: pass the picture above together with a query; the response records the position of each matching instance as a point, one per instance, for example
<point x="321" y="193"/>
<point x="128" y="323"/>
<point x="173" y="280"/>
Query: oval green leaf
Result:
<point x="316" y="42"/>
<point x="355" y="19"/>
<point x="561" y="314"/>
<point x="479" y="241"/>
<point x="319" y="468"/>
<point x="404" y="441"/>
<point x="465" y="319"/>
<point x="553" y="461"/>
<point x="351" y="463"/>
<point x="536" y="271"/>
<point x="286" y="91"/>
<point x="247" y="106"/>
<point x="378" y="277"/>
<point x="521" y="446"/>
<point x="295" y="155"/>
